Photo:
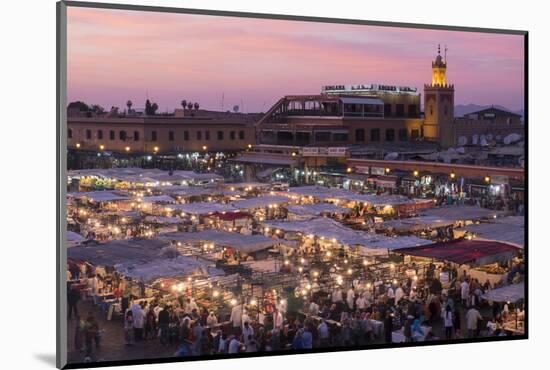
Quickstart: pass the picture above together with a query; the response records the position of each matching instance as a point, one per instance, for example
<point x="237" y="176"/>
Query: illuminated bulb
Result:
<point x="233" y="302"/>
<point x="300" y="269"/>
<point x="215" y="293"/>
<point x="329" y="254"/>
<point x="286" y="262"/>
<point x="350" y="271"/>
<point x="368" y="285"/>
<point x="253" y="302"/>
<point x="315" y="273"/>
<point x="415" y="278"/>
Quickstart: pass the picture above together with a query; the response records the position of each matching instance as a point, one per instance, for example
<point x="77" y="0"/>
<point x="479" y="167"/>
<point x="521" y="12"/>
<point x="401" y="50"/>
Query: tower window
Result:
<point x="186" y="135"/>
<point x="122" y="135"/>
<point x="112" y="135"/>
<point x="88" y="134"/>
<point x="100" y="134"/>
<point x="415" y="134"/>
<point x="241" y="135"/>
<point x="412" y="110"/>
<point x="220" y="135"/>
<point x="199" y="135"/>
<point x="170" y="135"/>
<point x="431" y="110"/>
<point x="387" y="110"/>
<point x="136" y="135"/>
<point x="207" y="135"/>
<point x="153" y="136"/>
<point x="445" y="110"/>
<point x="70" y="134"/>
<point x="232" y="135"/>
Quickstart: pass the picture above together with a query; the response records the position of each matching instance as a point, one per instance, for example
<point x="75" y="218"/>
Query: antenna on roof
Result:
<point x="222" y="100"/>
<point x="438" y="49"/>
<point x="445" y="54"/>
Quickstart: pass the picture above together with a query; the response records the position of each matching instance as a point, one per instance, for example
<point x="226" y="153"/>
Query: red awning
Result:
<point x="461" y="251"/>
<point x="232" y="216"/>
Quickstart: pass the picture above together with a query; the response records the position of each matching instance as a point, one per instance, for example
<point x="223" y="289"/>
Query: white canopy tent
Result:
<point x="508" y="293"/>
<point x="243" y="243"/>
<point x="261" y="201"/>
<point x="202" y="208"/>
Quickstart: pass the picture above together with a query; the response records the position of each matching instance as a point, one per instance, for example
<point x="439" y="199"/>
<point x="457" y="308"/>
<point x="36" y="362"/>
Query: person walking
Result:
<point x="129" y="328"/>
<point x="472" y="322"/>
<point x="448" y="322"/>
<point x="73" y="296"/>
<point x="164" y="324"/>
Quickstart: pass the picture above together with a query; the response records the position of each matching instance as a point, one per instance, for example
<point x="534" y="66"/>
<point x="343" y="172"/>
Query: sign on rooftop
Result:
<point x="374" y="88"/>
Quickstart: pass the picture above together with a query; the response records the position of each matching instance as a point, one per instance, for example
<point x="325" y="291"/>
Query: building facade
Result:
<point x="160" y="134"/>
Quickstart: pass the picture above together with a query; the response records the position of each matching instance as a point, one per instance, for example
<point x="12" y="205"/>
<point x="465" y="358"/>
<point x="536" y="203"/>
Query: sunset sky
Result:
<point x="116" y="55"/>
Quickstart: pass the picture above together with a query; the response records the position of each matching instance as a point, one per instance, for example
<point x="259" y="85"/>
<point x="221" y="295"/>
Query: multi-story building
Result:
<point x="161" y="134"/>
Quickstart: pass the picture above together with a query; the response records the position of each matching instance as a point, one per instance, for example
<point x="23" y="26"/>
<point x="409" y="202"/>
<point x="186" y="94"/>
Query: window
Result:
<point x="360" y="134"/>
<point x="153" y="136"/>
<point x="403" y="134"/>
<point x="112" y="135"/>
<point x="232" y="135"/>
<point x="122" y="135"/>
<point x="400" y="110"/>
<point x="412" y="110"/>
<point x="199" y="135"/>
<point x="186" y="135"/>
<point x="220" y="135"/>
<point x="390" y="134"/>
<point x="70" y="134"/>
<point x="387" y="110"/>
<point x="241" y="135"/>
<point x="340" y="137"/>
<point x="322" y="136"/>
<point x="375" y="134"/>
<point x="88" y="134"/>
<point x="415" y="134"/>
<point x="445" y="110"/>
<point x="136" y="135"/>
<point x="170" y="135"/>
<point x="207" y="135"/>
<point x="100" y="134"/>
<point x="431" y="110"/>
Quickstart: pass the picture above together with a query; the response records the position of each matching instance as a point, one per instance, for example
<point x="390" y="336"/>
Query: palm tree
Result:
<point x="189" y="105"/>
<point x="129" y="105"/>
<point x="196" y="105"/>
<point x="184" y="103"/>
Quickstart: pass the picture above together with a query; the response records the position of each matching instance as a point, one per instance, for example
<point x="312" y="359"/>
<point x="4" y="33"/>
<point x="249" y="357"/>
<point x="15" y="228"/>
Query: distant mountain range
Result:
<point x="461" y="109"/>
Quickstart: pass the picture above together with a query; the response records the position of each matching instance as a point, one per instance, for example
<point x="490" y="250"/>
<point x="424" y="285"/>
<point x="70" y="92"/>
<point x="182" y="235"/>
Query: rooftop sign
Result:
<point x="368" y="88"/>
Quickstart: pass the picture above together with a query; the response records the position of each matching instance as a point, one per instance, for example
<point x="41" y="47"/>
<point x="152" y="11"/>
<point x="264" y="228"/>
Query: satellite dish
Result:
<point x="475" y="139"/>
<point x="512" y="138"/>
<point x="462" y="140"/>
<point x="391" y="156"/>
<point x="483" y="141"/>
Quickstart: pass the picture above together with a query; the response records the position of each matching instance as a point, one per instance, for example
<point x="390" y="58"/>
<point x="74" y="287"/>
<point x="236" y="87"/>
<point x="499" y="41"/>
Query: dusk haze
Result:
<point x="116" y="55"/>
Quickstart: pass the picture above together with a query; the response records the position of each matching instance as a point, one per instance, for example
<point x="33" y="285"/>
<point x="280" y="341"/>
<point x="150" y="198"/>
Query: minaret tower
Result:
<point x="439" y="104"/>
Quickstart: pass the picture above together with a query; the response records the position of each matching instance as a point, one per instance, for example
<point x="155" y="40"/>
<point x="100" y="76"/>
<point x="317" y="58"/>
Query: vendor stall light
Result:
<point x="277" y="231"/>
<point x="162" y="285"/>
<point x="365" y="262"/>
<point x="127" y="148"/>
<point x="369" y="285"/>
<point x="394" y="281"/>
<point x="266" y="229"/>
<point x="415" y="173"/>
<point x="204" y="147"/>
<point x="345" y="261"/>
<point x="349" y="169"/>
<point x="77" y="145"/>
<point x="452" y="175"/>
<point x="293" y="154"/>
<point x="253" y="302"/>
<point x="232" y="188"/>
<point x="387" y="170"/>
<point x="350" y="271"/>
<point x="315" y="273"/>
<point x="101" y="147"/>
<point x="180" y="288"/>
<point x="487" y="179"/>
<point x="329" y="254"/>
<point x="286" y="263"/>
<point x="415" y="278"/>
<point x="233" y="302"/>
<point x="249" y="146"/>
<point x="302" y="261"/>
<point x="174" y="287"/>
<point x="215" y="293"/>
<point x="392" y="265"/>
<point x="334" y="240"/>
<point x="156" y="149"/>
<point x="304" y="292"/>
<point x="189" y="278"/>
<point x="300" y="269"/>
